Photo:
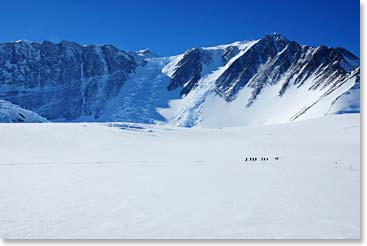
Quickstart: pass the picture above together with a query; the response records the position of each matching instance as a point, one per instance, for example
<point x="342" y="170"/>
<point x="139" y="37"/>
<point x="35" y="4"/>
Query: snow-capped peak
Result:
<point x="146" y="53"/>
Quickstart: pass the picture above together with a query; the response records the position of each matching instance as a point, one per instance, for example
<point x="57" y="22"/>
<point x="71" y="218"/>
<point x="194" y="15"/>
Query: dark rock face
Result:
<point x="188" y="72"/>
<point x="62" y="80"/>
<point x="248" y="65"/>
<point x="229" y="53"/>
<point x="273" y="57"/>
<point x="189" y="69"/>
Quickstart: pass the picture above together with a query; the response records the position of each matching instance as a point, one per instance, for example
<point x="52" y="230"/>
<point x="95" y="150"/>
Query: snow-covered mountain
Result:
<point x="62" y="81"/>
<point x="269" y="80"/>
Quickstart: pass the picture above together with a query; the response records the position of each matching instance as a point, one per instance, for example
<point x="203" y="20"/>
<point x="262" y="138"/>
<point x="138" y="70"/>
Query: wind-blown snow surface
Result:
<point x="121" y="180"/>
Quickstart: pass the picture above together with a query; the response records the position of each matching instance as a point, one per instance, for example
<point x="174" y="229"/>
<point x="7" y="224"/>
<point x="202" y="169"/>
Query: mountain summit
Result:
<point x="269" y="80"/>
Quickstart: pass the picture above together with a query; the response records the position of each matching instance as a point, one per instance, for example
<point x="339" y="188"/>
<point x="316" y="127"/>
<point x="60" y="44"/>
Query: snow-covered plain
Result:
<point x="134" y="181"/>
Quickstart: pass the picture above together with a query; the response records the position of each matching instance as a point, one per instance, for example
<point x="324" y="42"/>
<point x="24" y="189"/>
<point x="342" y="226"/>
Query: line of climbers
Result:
<point x="261" y="159"/>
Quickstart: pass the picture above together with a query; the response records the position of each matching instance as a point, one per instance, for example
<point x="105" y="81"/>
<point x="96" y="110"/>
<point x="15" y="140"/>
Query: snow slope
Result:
<point x="10" y="113"/>
<point x="124" y="180"/>
<point x="348" y="102"/>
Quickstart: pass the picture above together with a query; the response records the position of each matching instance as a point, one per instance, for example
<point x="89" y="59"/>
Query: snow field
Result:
<point x="136" y="181"/>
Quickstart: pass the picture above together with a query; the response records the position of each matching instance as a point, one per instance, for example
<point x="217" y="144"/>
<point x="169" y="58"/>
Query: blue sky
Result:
<point x="169" y="27"/>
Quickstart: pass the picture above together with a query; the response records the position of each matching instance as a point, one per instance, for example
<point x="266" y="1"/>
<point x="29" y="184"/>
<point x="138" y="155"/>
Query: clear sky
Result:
<point x="169" y="27"/>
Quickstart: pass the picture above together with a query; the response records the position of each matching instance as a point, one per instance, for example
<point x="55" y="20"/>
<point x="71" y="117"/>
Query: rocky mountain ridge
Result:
<point x="269" y="80"/>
